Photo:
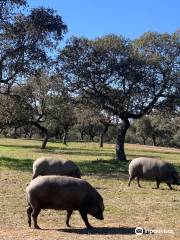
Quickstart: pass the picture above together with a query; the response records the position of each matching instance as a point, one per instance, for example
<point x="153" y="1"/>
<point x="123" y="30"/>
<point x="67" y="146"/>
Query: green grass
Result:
<point x="126" y="208"/>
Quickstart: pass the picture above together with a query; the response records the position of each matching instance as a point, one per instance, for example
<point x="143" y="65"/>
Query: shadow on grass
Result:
<point x="101" y="230"/>
<point x="98" y="231"/>
<point x="16" y="164"/>
<point x="100" y="167"/>
<point x="103" y="168"/>
<point x="23" y="146"/>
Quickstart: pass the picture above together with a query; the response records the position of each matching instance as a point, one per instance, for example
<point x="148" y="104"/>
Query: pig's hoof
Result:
<point x="37" y="227"/>
<point x="89" y="227"/>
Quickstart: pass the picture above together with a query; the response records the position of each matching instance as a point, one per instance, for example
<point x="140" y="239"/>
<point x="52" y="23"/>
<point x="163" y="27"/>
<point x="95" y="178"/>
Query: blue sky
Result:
<point x="130" y="18"/>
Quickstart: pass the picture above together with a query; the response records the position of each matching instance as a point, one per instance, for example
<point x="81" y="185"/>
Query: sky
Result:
<point x="130" y="18"/>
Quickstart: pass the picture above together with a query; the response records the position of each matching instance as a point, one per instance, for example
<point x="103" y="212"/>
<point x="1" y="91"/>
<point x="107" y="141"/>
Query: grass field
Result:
<point x="126" y="207"/>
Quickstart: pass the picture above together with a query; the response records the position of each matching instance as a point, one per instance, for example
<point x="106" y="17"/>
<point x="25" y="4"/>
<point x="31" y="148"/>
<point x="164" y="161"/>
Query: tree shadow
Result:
<point x="20" y="146"/>
<point x="99" y="230"/>
<point x="16" y="164"/>
<point x="102" y="168"/>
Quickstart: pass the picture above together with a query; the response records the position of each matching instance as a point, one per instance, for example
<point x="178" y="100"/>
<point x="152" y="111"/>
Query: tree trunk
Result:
<point x="44" y="132"/>
<point x="154" y="140"/>
<point x="30" y="133"/>
<point x="65" y="135"/>
<point x="46" y="138"/>
<point x="15" y="132"/>
<point x="82" y="135"/>
<point x="106" y="126"/>
<point x="101" y="139"/>
<point x="91" y="136"/>
<point x="16" y="135"/>
<point x="120" y="154"/>
<point x="57" y="134"/>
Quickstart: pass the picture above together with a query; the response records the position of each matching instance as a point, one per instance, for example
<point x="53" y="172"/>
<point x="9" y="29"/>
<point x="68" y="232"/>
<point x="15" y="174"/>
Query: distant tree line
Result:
<point x="153" y="129"/>
<point x="111" y="88"/>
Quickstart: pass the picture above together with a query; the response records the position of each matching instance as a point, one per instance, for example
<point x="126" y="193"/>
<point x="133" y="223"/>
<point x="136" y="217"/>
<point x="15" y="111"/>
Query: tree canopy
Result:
<point x="27" y="41"/>
<point x="127" y="78"/>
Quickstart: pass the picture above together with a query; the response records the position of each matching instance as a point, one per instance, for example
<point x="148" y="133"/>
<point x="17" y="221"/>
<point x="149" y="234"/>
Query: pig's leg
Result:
<point x="130" y="179"/>
<point x="69" y="213"/>
<point x="29" y="212"/>
<point x="138" y="182"/>
<point x="157" y="183"/>
<point x="85" y="219"/>
<point x="169" y="185"/>
<point x="35" y="214"/>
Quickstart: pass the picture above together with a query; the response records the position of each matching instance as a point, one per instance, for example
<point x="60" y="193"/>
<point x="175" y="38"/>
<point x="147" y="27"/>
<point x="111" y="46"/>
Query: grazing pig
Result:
<point x="63" y="193"/>
<point x="153" y="169"/>
<point x="54" y="166"/>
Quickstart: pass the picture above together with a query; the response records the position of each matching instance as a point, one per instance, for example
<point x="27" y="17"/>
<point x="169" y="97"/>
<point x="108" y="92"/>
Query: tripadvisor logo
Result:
<point x="139" y="231"/>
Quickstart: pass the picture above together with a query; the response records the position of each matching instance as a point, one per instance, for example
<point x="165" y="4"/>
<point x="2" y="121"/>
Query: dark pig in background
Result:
<point x="153" y="169"/>
<point x="55" y="166"/>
